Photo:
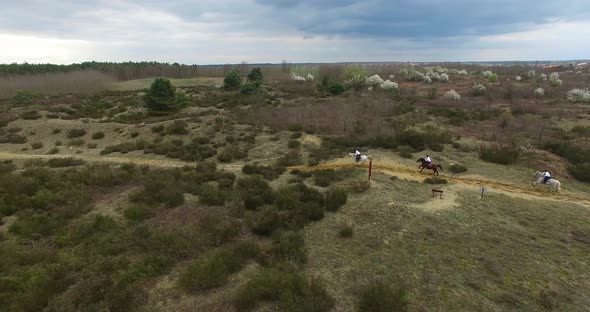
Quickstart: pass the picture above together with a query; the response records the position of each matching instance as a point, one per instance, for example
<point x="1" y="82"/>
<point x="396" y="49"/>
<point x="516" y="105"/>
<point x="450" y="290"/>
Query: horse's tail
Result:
<point x="441" y="168"/>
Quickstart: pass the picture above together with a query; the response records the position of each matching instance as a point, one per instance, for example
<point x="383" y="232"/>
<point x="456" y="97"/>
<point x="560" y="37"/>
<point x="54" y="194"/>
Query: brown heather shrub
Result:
<point x="84" y="82"/>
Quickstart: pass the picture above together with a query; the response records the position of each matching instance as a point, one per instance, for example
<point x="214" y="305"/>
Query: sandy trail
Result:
<point x="382" y="166"/>
<point x="466" y="181"/>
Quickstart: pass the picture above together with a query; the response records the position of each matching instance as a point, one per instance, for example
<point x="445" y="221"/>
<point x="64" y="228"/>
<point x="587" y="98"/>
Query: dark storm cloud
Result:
<point x="409" y="19"/>
<point x="423" y="18"/>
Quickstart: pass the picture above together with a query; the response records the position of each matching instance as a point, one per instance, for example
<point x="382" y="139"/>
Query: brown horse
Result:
<point x="425" y="165"/>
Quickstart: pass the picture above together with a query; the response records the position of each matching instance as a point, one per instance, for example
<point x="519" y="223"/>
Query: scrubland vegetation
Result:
<point x="211" y="217"/>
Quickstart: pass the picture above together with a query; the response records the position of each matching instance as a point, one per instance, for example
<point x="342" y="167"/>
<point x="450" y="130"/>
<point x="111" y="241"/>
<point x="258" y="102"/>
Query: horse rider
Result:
<point x="357" y="155"/>
<point x="546" y="176"/>
<point x="428" y="161"/>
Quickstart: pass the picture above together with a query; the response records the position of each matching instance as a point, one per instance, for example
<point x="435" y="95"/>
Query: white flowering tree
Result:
<point x="579" y="96"/>
<point x="452" y="95"/>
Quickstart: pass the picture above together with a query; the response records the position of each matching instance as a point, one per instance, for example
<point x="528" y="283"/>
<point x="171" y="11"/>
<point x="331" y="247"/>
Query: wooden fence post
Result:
<point x="370" y="167"/>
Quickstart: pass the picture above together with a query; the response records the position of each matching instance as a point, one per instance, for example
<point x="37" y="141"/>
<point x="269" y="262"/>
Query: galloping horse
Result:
<point x="425" y="165"/>
<point x="538" y="177"/>
<point x="361" y="161"/>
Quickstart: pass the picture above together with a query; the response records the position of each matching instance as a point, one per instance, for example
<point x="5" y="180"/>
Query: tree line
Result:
<point x="120" y="71"/>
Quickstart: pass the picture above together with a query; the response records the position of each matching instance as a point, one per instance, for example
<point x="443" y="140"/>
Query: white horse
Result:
<point x="538" y="177"/>
<point x="363" y="159"/>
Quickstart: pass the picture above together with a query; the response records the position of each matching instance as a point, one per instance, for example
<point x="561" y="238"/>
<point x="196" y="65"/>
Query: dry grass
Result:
<point x="462" y="259"/>
<point x="81" y="82"/>
<point x="145" y="83"/>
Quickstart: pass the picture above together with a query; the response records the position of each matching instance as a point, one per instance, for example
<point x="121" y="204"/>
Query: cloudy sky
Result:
<point x="232" y="31"/>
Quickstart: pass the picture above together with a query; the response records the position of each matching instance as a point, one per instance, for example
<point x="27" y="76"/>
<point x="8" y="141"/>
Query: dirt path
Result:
<point x="382" y="166"/>
<point x="467" y="181"/>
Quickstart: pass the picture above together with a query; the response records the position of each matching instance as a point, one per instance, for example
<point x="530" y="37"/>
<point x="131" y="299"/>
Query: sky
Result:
<point x="270" y="31"/>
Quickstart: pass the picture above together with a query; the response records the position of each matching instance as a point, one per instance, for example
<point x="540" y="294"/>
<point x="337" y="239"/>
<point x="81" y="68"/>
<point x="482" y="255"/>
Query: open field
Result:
<point x="245" y="200"/>
<point x="145" y="83"/>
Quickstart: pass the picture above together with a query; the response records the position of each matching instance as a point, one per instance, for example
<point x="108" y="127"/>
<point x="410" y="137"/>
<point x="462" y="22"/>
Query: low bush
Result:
<point x="457" y="168"/>
<point x="288" y="246"/>
<point x="6" y="167"/>
<point x="381" y="297"/>
<point x="293" y="144"/>
<point x="24" y="97"/>
<point x="65" y="162"/>
<point x="158" y="129"/>
<point x="56" y="131"/>
<point x="231" y="153"/>
<point x="159" y="189"/>
<point x="326" y="177"/>
<point x="571" y="152"/>
<point x="13" y="138"/>
<point x="30" y="115"/>
<point x="479" y="89"/>
<point x="98" y="135"/>
<point x="359" y="187"/>
<point x="581" y="171"/>
<point x="37" y="145"/>
<point x="211" y="195"/>
<point x="76" y="133"/>
<point x="583" y="131"/>
<point x="291" y="158"/>
<point x="295" y="135"/>
<point x="254" y="191"/>
<point x="435" y="180"/>
<point x="178" y="127"/>
<point x="267" y="172"/>
<point x="91" y="145"/>
<point x="452" y="95"/>
<point x="335" y="198"/>
<point x="266" y="221"/>
<point x="499" y="154"/>
<point x="138" y="212"/>
<point x="405" y="151"/>
<point x="250" y="87"/>
<point x="331" y="87"/>
<point x="53" y="151"/>
<point x="287" y="287"/>
<point x="346" y="231"/>
<point x="76" y="142"/>
<point x="214" y="269"/>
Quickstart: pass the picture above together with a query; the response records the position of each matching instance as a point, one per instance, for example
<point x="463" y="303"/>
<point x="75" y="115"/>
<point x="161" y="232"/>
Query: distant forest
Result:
<point x="119" y="71"/>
